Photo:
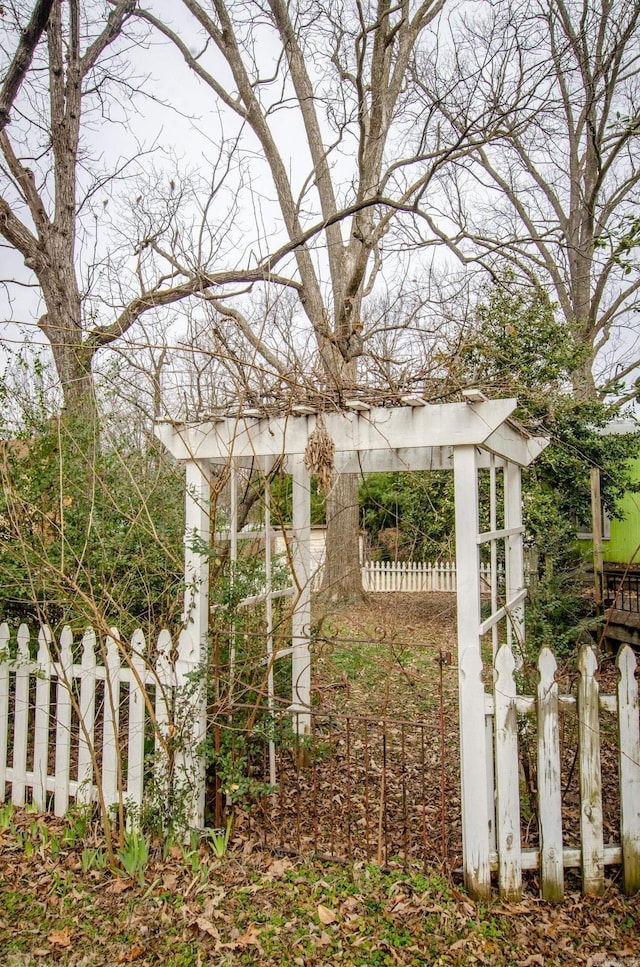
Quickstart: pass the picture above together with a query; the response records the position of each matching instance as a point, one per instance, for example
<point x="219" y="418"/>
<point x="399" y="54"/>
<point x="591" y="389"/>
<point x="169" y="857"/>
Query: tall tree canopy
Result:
<point x="551" y="193"/>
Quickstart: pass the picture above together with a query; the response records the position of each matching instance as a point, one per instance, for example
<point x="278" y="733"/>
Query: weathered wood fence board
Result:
<point x="4" y="708"/>
<point x="589" y="766"/>
<point x="629" y="768"/>
<point x="87" y="716"/>
<point x="503" y="705"/>
<point x="507" y="776"/>
<point x="549" y="780"/>
<point x="68" y="727"/>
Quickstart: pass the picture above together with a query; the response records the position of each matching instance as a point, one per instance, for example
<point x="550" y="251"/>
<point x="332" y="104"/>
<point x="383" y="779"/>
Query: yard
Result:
<point x="392" y="894"/>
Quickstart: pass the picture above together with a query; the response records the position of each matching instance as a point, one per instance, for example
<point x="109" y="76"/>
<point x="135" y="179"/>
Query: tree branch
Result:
<point x="22" y="58"/>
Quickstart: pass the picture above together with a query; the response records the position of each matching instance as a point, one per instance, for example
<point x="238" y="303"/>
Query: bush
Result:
<point x="91" y="529"/>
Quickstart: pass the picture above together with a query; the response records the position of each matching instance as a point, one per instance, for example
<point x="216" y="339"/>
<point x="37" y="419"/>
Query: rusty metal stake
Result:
<point x="443" y="658"/>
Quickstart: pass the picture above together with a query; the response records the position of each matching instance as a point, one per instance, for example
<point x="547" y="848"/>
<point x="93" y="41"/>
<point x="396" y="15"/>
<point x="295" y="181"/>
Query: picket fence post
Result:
<point x="135" y="746"/>
<point x="591" y="830"/>
<point x="21" y="719"/>
<point x="164" y="682"/>
<point x="43" y="712"/>
<point x="110" y="758"/>
<point x="629" y="769"/>
<point x="189" y="759"/>
<point x="549" y="780"/>
<point x="507" y="776"/>
<point x="63" y="723"/>
<point x="87" y="715"/>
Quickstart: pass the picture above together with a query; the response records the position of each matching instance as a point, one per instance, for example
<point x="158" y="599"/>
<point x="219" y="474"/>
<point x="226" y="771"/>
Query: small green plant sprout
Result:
<point x="191" y="853"/>
<point x="218" y="839"/>
<point x="54" y="846"/>
<point x="134" y="855"/>
<point x="93" y="859"/>
<point x="6" y="816"/>
<point x="78" y="824"/>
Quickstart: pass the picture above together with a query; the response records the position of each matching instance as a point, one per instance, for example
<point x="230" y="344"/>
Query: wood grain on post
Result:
<point x="549" y="781"/>
<point x="591" y="832"/>
<point x="629" y="769"/>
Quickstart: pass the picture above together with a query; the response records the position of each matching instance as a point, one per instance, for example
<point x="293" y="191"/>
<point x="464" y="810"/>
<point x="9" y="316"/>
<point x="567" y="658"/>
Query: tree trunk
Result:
<point x="584" y="386"/>
<point x="62" y="325"/>
<point x="342" y="579"/>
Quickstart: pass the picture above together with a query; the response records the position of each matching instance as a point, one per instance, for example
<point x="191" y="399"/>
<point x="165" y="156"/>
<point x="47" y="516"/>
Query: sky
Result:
<point x="178" y="117"/>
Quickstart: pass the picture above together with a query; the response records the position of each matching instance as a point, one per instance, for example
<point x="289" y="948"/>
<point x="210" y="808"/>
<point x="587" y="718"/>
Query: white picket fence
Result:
<point x="77" y="720"/>
<point x="544" y="710"/>
<point x="414" y="576"/>
<point x="380" y="576"/>
<point x="80" y="718"/>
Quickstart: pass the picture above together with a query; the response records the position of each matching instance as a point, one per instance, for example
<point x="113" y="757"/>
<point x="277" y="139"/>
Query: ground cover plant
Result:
<point x="59" y="905"/>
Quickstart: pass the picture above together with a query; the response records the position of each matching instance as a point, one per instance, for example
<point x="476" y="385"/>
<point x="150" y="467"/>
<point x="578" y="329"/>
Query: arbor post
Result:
<point x="301" y="617"/>
<point x="473" y="743"/>
<point x="193" y="645"/>
<point x="514" y="553"/>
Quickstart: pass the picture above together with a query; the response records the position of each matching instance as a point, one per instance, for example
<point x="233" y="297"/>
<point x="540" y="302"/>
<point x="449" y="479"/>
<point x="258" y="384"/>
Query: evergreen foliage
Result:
<point x="91" y="529"/>
<point x="518" y="346"/>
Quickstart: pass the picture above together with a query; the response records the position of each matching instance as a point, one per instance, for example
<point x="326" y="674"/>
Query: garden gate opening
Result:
<point x="477" y="434"/>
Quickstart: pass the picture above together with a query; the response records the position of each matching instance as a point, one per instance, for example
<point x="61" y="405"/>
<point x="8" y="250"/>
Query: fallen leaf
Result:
<point x="279" y="867"/>
<point x="249" y="937"/>
<point x="128" y="956"/>
<point x="119" y="886"/>
<point x="350" y="904"/>
<point x="60" y="938"/>
<point x="459" y="944"/>
<point x="400" y="898"/>
<point x="325" y="915"/>
<point x="206" y="926"/>
<point x="211" y="904"/>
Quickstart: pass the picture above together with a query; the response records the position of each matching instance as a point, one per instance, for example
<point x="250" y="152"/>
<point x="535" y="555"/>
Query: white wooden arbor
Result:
<point x="466" y="437"/>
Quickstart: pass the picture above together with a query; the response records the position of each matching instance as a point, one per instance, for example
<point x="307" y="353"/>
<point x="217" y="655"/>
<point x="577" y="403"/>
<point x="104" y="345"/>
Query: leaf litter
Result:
<point x="262" y="911"/>
<point x="256" y="908"/>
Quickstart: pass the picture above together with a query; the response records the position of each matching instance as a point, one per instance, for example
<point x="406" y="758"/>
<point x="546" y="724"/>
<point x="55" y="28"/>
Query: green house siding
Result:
<point x="625" y="534"/>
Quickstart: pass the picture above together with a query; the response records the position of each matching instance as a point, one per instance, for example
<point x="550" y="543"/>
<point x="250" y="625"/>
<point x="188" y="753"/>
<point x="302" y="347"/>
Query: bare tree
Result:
<point x="551" y="193"/>
<point x="55" y="191"/>
<point x="326" y="92"/>
<point x="39" y="204"/>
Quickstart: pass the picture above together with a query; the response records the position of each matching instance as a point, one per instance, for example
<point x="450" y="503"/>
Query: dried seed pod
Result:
<point x="319" y="455"/>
